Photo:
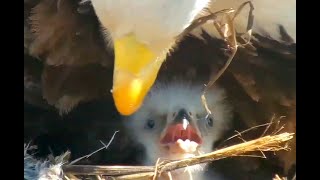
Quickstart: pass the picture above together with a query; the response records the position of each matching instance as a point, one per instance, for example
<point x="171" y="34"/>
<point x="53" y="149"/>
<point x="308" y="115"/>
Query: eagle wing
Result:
<point x="66" y="40"/>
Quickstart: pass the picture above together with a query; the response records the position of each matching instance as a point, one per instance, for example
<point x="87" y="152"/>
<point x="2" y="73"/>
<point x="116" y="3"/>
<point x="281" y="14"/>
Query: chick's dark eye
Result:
<point x="210" y="121"/>
<point x="150" y="124"/>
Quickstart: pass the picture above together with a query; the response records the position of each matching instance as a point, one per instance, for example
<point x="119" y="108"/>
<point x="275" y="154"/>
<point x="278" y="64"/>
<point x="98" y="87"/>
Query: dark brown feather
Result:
<point x="66" y="86"/>
<point x="62" y="36"/>
<point x="71" y="47"/>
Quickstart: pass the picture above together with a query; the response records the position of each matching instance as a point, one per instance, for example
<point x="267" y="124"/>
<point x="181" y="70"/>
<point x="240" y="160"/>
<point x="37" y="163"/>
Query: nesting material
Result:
<point x="226" y="29"/>
<point x="56" y="168"/>
<point x="47" y="169"/>
<point x="266" y="143"/>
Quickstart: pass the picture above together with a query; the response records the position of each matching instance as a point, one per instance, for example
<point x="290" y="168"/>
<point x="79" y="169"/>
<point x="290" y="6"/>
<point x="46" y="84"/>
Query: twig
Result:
<point x="88" y="155"/>
<point x="232" y="44"/>
<point x="267" y="143"/>
<point x="247" y="130"/>
<point x="202" y="20"/>
<point x="277" y="177"/>
<point x="156" y="170"/>
<point x="190" y="174"/>
<point x="272" y="121"/>
<point x="268" y="127"/>
<point x="250" y="20"/>
<point x="106" y="170"/>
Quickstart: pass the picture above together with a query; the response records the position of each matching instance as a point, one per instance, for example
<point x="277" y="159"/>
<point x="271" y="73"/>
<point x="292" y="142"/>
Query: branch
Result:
<point x="266" y="143"/>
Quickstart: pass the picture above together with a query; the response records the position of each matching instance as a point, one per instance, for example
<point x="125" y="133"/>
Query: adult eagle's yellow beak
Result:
<point x="135" y="70"/>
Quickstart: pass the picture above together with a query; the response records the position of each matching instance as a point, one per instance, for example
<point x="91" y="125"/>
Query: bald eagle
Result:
<point x="125" y="40"/>
<point x="173" y="124"/>
<point x="77" y="51"/>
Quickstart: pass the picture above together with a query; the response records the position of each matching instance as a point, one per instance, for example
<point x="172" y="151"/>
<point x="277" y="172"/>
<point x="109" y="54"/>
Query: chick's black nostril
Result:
<point x="182" y="114"/>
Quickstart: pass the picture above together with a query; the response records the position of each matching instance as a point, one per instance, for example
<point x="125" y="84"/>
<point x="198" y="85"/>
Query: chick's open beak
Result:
<point x="135" y="70"/>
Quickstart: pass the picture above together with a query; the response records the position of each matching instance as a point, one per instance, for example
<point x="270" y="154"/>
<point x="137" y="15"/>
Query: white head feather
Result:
<point x="166" y="99"/>
<point x="155" y="23"/>
<point x="158" y="22"/>
<point x="268" y="15"/>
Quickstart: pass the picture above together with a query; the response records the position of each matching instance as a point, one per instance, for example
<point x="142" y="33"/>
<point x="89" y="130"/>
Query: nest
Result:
<point x="58" y="169"/>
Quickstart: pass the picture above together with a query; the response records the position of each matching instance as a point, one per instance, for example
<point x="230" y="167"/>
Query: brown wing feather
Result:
<point x="77" y="65"/>
<point x="62" y="36"/>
